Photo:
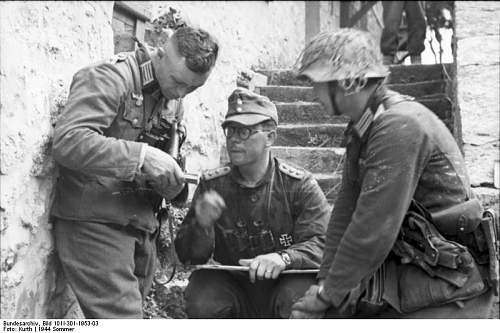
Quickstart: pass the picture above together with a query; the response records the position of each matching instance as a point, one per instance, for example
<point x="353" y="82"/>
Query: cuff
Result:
<point x="335" y="295"/>
<point x="295" y="258"/>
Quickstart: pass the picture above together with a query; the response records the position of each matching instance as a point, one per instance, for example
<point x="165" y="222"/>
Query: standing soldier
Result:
<point x="405" y="188"/>
<point x="258" y="212"/>
<point x="417" y="28"/>
<point x="104" y="222"/>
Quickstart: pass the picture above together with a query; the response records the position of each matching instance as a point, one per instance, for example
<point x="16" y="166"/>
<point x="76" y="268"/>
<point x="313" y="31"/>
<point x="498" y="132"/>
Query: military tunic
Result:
<point x="105" y="228"/>
<point x="400" y="153"/>
<point x="109" y="105"/>
<point x="286" y="210"/>
<point x="287" y="201"/>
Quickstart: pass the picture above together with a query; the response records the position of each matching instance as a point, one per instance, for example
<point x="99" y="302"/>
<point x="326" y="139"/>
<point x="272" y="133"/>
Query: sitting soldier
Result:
<point x="258" y="212"/>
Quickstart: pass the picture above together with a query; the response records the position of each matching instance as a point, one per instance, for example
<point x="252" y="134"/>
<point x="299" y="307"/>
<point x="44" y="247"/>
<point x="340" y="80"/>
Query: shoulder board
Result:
<point x="215" y="173"/>
<point x="291" y="171"/>
<point x="118" y="57"/>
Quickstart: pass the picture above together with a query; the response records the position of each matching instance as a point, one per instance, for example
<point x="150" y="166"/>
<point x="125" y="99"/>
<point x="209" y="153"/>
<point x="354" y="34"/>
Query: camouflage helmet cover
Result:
<point x="343" y="55"/>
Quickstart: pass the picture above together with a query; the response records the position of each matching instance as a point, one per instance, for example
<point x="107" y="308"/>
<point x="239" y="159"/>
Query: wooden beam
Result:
<point x="364" y="9"/>
<point x="129" y="8"/>
<point x="312" y="19"/>
<point x="344" y="14"/>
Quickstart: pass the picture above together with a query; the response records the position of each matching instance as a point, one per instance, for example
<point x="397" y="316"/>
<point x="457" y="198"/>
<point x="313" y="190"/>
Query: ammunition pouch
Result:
<point x="434" y="270"/>
<point x="468" y="225"/>
<point x="250" y="242"/>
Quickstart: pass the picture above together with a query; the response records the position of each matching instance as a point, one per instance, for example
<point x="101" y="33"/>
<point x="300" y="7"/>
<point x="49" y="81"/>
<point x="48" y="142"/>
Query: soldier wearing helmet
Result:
<point x="402" y="238"/>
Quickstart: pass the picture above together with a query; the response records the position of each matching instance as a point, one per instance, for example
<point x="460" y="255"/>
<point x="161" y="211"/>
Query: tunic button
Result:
<point x="135" y="121"/>
<point x="254" y="198"/>
<point x="238" y="109"/>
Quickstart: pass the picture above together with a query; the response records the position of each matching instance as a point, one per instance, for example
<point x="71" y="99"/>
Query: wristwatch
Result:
<point x="321" y="297"/>
<point x="285" y="257"/>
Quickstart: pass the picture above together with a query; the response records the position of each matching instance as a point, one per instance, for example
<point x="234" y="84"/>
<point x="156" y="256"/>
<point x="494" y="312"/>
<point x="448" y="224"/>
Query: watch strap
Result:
<point x="285" y="257"/>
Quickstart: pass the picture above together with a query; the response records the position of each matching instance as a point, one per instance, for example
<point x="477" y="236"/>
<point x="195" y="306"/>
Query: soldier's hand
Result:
<point x="309" y="306"/>
<point x="208" y="208"/>
<point x="163" y="172"/>
<point x="265" y="266"/>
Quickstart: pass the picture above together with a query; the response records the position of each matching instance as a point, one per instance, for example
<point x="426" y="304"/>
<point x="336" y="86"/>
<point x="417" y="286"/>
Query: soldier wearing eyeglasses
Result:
<point x="259" y="212"/>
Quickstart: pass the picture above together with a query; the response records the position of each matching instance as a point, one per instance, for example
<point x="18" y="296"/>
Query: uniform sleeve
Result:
<point x="194" y="244"/>
<point x="341" y="216"/>
<point x="79" y="138"/>
<point x="397" y="152"/>
<point x="309" y="226"/>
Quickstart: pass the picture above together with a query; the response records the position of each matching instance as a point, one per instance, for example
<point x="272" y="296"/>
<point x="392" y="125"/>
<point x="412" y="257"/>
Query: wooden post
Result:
<point x="344" y="14"/>
<point x="312" y="19"/>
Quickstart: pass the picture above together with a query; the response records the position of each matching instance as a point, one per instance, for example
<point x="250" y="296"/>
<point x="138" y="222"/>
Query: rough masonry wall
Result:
<point x="329" y="13"/>
<point x="250" y="34"/>
<point x="478" y="54"/>
<point x="42" y="46"/>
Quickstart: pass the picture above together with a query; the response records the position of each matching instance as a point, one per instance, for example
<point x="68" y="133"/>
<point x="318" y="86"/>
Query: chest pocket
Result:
<point x="134" y="111"/>
<point x="132" y="117"/>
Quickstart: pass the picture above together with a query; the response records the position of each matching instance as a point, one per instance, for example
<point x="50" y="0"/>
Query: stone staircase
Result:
<point x="311" y="138"/>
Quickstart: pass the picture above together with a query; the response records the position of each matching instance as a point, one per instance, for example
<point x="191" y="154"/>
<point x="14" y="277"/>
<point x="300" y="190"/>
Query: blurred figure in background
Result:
<point x="415" y="15"/>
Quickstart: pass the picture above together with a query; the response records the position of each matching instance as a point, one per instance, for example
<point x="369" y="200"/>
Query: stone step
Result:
<point x="287" y="93"/>
<point x="440" y="105"/>
<point x="330" y="184"/>
<point x="313" y="112"/>
<point x="421" y="90"/>
<point x="313" y="159"/>
<point x="310" y="135"/>
<point x="419" y="73"/>
<point x="399" y="74"/>
<point x="306" y="112"/>
<point x="427" y="89"/>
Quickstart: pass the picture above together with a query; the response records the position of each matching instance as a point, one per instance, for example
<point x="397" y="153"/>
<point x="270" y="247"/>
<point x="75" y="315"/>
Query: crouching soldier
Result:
<point x="407" y="237"/>
<point x="258" y="212"/>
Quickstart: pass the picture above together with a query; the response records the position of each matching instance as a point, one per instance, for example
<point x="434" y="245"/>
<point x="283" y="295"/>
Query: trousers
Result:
<point x="415" y="14"/>
<point x="109" y="267"/>
<point x="475" y="308"/>
<point x="223" y="294"/>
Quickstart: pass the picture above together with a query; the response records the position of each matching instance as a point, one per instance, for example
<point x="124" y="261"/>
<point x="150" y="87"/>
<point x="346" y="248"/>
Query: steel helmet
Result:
<point x="343" y="55"/>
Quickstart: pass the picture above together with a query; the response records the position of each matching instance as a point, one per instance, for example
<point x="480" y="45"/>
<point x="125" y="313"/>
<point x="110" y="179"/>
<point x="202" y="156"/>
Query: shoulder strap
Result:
<point x="290" y="170"/>
<point x="216" y="173"/>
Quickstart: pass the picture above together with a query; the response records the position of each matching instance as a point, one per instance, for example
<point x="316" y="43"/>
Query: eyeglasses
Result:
<point x="243" y="132"/>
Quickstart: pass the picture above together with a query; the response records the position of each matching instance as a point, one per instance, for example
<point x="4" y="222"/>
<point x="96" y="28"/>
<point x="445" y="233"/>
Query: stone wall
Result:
<point x="42" y="45"/>
<point x="251" y="34"/>
<point x="329" y="13"/>
<point x="478" y="54"/>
